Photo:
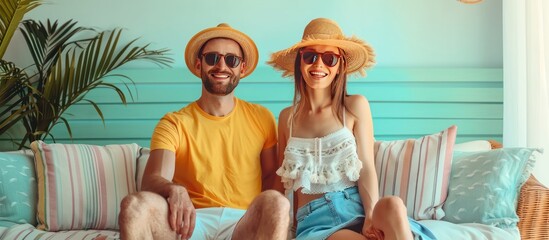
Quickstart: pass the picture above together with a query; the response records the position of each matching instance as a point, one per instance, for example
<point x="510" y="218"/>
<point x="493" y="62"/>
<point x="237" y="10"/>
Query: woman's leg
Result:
<point x="346" y="234"/>
<point x="390" y="217"/>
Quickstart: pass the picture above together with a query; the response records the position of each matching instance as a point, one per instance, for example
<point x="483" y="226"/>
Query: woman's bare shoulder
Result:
<point x="357" y="104"/>
<point x="285" y="113"/>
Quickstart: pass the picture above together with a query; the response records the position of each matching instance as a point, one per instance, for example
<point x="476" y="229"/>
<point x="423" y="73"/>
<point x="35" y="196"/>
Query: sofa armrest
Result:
<point x="533" y="210"/>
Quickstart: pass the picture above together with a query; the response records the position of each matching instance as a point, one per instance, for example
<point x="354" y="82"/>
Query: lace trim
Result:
<point x="296" y="174"/>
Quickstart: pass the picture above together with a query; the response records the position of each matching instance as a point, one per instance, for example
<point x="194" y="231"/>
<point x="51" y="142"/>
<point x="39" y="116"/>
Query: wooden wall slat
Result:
<point x="379" y="110"/>
<point x="144" y="128"/>
<point x="405" y="102"/>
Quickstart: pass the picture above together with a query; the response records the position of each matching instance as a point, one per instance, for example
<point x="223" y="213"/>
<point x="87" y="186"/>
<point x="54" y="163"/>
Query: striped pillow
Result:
<point x="417" y="170"/>
<point x="81" y="186"/>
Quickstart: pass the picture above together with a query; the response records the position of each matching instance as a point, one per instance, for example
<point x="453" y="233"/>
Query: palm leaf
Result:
<point x="47" y="41"/>
<point x="67" y="68"/>
<point x="76" y="67"/>
<point x="11" y="13"/>
<point x="14" y="88"/>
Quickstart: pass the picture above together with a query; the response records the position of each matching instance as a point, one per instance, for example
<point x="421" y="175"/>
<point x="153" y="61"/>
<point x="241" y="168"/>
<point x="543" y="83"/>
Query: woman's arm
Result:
<point x="363" y="130"/>
<point x="283" y="133"/>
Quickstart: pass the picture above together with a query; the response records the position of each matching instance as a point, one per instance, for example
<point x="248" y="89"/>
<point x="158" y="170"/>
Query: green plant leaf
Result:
<point x="70" y="67"/>
<point x="11" y="13"/>
<point x="69" y="61"/>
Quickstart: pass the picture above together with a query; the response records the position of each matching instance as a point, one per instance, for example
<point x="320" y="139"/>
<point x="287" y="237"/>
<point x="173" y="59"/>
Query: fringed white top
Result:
<point x="321" y="165"/>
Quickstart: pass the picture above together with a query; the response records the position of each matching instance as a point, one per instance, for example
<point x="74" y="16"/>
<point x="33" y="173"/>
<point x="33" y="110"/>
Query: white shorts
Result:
<point x="216" y="223"/>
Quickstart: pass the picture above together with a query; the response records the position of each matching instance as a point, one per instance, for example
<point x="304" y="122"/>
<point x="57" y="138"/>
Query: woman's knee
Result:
<point x="389" y="206"/>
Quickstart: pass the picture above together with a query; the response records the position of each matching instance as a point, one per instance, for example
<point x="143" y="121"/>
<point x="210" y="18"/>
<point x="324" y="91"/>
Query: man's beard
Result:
<point x="217" y="88"/>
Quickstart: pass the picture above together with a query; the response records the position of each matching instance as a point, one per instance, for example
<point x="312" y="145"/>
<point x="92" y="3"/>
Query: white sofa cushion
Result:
<point x="469" y="231"/>
<point x="473" y="146"/>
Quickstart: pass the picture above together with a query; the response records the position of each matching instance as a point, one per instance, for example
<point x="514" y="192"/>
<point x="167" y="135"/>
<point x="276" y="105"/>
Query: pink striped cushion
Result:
<point x="417" y="170"/>
<point x="81" y="186"/>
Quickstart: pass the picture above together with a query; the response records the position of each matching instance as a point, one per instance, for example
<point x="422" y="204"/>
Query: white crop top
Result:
<point x="320" y="165"/>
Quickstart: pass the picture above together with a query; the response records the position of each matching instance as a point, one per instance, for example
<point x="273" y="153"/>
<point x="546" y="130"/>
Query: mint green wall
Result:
<point x="420" y="33"/>
<point x="439" y="62"/>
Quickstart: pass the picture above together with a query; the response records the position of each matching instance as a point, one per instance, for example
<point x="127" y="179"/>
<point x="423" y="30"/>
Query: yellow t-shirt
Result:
<point x="218" y="158"/>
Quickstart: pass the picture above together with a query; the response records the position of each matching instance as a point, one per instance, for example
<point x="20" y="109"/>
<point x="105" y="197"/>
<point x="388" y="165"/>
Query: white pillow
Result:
<point x="473" y="146"/>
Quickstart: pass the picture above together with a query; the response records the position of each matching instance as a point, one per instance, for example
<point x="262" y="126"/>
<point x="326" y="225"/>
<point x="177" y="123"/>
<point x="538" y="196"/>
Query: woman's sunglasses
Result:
<point x="328" y="58"/>
<point x="212" y="58"/>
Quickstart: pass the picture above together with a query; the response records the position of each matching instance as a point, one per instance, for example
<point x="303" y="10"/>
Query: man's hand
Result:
<point x="182" y="214"/>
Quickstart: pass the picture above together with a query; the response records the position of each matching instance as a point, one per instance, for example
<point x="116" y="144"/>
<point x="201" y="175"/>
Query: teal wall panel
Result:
<point x="405" y="103"/>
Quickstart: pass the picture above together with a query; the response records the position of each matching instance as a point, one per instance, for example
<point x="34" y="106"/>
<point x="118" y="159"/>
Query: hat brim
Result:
<point x="246" y="43"/>
<point x="358" y="54"/>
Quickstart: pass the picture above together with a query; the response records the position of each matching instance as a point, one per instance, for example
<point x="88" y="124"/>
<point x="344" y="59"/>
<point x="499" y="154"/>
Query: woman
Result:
<point x="326" y="143"/>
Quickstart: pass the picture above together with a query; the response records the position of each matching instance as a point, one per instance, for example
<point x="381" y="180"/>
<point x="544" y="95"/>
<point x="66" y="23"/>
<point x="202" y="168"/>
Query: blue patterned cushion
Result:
<point x="17" y="188"/>
<point x="484" y="186"/>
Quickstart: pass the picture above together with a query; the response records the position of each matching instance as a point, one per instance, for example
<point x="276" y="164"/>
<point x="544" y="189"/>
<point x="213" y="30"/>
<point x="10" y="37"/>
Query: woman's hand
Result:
<point x="370" y="232"/>
<point x="182" y="214"/>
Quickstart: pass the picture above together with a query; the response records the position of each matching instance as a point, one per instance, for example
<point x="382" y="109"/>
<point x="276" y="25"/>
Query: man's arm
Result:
<point x="157" y="178"/>
<point x="268" y="170"/>
<point x="159" y="171"/>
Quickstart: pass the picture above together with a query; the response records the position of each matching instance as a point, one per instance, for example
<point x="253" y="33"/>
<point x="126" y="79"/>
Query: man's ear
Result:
<point x="243" y="68"/>
<point x="198" y="64"/>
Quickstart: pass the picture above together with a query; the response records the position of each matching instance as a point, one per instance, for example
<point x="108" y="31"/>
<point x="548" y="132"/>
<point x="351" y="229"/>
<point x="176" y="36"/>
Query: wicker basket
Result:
<point x="533" y="210"/>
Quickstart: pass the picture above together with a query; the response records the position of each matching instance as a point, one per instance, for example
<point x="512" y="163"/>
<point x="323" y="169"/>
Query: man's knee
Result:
<point x="129" y="208"/>
<point x="274" y="200"/>
<point x="133" y="205"/>
<point x="128" y="201"/>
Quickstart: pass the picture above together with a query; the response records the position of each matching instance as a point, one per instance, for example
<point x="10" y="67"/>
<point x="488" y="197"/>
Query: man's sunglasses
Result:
<point x="328" y="58"/>
<point x="212" y="58"/>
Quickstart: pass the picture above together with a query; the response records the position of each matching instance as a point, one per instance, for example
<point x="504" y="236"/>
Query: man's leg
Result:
<point x="144" y="215"/>
<point x="266" y="218"/>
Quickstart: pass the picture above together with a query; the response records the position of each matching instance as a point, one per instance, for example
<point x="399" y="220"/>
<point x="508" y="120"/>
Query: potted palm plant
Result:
<point x="68" y="62"/>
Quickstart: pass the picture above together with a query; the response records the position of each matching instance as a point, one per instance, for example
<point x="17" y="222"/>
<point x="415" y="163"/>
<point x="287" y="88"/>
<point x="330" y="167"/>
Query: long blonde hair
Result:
<point x="338" y="88"/>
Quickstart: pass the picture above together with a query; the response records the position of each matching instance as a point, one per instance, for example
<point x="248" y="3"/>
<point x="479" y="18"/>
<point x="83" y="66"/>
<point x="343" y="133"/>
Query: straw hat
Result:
<point x="323" y="31"/>
<point x="222" y="30"/>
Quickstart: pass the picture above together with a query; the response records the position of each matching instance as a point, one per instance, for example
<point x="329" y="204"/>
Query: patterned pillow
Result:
<point x="417" y="170"/>
<point x="484" y="186"/>
<point x="81" y="186"/>
<point x="17" y="188"/>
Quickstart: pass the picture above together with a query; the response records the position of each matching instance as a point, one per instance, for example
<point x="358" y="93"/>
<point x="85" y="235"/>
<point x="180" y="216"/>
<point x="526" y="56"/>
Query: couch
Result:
<point x="68" y="213"/>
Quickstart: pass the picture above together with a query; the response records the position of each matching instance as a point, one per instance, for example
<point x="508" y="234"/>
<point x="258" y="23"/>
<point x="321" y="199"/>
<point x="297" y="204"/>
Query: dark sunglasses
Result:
<point x="328" y="58"/>
<point x="212" y="58"/>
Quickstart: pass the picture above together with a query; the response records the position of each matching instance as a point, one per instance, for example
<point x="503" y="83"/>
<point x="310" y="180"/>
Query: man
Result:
<point x="212" y="159"/>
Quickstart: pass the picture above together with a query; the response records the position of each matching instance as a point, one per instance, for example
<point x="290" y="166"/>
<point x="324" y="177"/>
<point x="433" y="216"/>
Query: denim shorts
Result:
<point x="324" y="216"/>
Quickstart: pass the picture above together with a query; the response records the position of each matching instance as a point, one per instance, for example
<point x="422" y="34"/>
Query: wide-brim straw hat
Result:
<point x="322" y="31"/>
<point x="222" y="30"/>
